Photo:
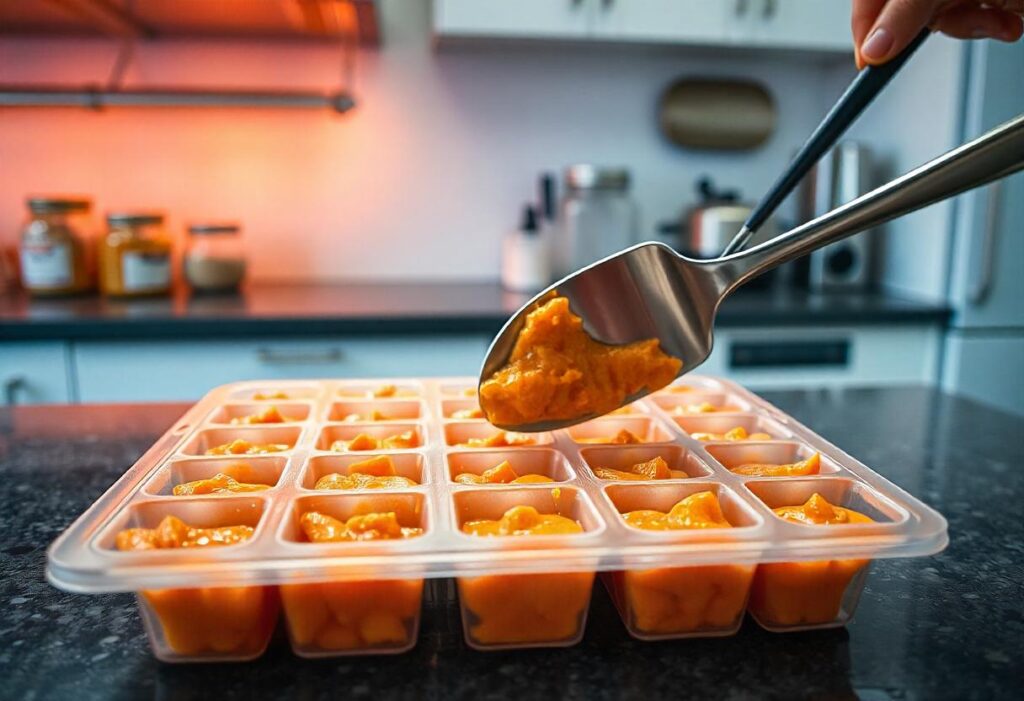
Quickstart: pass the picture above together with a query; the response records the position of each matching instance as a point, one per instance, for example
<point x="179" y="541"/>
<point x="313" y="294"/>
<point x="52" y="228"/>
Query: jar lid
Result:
<point x="224" y="227"/>
<point x="585" y="176"/>
<point x="134" y="218"/>
<point x="58" y="205"/>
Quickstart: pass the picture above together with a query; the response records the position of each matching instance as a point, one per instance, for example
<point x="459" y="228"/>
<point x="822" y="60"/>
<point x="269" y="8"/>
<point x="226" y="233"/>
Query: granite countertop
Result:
<point x="942" y="627"/>
<point x="319" y="310"/>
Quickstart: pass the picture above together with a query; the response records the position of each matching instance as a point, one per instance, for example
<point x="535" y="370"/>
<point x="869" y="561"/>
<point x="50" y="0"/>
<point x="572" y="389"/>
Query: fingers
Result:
<point x="865" y="12"/>
<point x="976" y="21"/>
<point x="897" y="24"/>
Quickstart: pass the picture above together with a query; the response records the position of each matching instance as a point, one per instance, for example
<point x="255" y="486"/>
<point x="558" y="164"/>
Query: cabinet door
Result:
<point x="668" y="21"/>
<point x="987" y="367"/>
<point x="153" y="371"/>
<point x="34" y="373"/>
<point x="792" y="24"/>
<point x="542" y="19"/>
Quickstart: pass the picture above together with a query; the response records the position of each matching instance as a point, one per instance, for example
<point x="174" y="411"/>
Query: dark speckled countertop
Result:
<point x="319" y="310"/>
<point x="942" y="627"/>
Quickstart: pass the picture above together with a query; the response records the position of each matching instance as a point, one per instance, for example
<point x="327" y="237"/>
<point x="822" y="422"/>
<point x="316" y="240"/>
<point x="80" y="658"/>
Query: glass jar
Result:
<point x="56" y="251"/>
<point x="215" y="257"/>
<point x="597" y="217"/>
<point x="135" y="256"/>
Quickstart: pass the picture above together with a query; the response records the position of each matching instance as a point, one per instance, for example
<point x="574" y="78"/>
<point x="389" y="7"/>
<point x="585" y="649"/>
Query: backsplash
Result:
<point x="419" y="181"/>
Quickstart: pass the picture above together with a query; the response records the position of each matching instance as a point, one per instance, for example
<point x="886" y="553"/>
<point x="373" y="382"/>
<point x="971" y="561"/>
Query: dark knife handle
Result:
<point x="868" y="83"/>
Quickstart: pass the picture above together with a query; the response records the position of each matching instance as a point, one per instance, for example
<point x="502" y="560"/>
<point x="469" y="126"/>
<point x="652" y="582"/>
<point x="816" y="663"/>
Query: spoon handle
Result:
<point x="991" y="156"/>
<point x="868" y="83"/>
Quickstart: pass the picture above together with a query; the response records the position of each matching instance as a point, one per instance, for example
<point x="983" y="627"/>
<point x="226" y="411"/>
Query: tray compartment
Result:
<point x="293" y="412"/>
<point x="409" y="465"/>
<point x="202" y="624"/>
<point x="647" y="429"/>
<point x="525" y="610"/>
<point x="723" y="423"/>
<point x="735" y="453"/>
<point x="457" y="433"/>
<point x="361" y="616"/>
<point x="690" y="403"/>
<point x="270" y="389"/>
<point x="682" y="602"/>
<point x="390" y="409"/>
<point x="409" y="507"/>
<point x="255" y="469"/>
<point x="257" y="435"/>
<point x="346" y="432"/>
<point x="379" y="390"/>
<point x="540" y="461"/>
<point x="802" y="595"/>
<point x="622" y="457"/>
<point x="450" y="406"/>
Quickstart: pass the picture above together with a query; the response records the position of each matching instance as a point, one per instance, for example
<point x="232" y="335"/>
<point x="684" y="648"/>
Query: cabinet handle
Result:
<point x="12" y="387"/>
<point x="983" y="285"/>
<point x="576" y="4"/>
<point x="607" y="4"/>
<point x="270" y="356"/>
<point x="770" y="6"/>
<point x="741" y="7"/>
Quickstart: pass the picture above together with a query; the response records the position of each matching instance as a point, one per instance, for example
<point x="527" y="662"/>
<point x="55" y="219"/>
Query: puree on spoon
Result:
<point x="556" y="371"/>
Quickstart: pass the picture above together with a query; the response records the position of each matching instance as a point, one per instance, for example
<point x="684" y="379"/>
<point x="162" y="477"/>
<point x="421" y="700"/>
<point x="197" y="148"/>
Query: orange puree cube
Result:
<point x="787" y="594"/>
<point x="527" y="609"/>
<point x="378" y="615"/>
<point x="234" y="622"/>
<point x="378" y="466"/>
<point x="672" y="601"/>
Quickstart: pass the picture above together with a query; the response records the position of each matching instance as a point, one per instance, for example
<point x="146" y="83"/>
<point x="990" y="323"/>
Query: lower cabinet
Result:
<point x="161" y="370"/>
<point x="34" y="372"/>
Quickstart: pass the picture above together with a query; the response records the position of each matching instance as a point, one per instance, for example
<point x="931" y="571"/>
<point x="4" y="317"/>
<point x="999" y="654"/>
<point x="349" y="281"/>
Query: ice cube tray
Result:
<point x="664" y="583"/>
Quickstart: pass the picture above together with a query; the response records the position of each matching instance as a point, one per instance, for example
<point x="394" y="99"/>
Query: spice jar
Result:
<point x="215" y="257"/>
<point x="135" y="255"/>
<point x="56" y="255"/>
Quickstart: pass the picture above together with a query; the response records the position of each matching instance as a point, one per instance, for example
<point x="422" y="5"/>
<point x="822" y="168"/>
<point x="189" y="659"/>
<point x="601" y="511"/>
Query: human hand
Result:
<point x="882" y="28"/>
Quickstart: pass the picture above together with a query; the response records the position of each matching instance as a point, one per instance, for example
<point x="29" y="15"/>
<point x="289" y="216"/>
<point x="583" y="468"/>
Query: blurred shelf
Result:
<point x="152" y="19"/>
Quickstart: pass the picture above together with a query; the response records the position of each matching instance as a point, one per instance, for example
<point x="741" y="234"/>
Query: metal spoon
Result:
<point x="649" y="291"/>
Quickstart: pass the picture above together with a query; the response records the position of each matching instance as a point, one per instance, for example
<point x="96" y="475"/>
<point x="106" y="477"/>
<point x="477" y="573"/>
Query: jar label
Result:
<point x="145" y="272"/>
<point x="47" y="265"/>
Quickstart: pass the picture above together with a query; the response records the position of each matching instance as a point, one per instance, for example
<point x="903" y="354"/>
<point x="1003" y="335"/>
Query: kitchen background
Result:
<point x="458" y="110"/>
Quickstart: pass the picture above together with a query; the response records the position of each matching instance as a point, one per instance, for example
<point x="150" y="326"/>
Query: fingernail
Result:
<point x="877" y="45"/>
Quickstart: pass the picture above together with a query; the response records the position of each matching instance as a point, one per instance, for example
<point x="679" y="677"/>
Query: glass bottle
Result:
<point x="55" y="252"/>
<point x="597" y="217"/>
<point x="215" y="257"/>
<point x="135" y="255"/>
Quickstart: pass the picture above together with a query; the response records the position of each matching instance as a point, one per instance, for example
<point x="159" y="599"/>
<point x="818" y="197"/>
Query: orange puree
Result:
<point x="654" y="469"/>
<point x="220" y="483"/>
<point x="376" y="473"/>
<point x="527" y="609"/>
<point x="806" y="593"/>
<point x="260" y="396"/>
<point x="372" y="415"/>
<point x="321" y="528"/>
<point x="233" y="621"/>
<point x="353" y="615"/>
<point x="681" y="600"/>
<point x="244" y="447"/>
<point x="703" y="408"/>
<point x="810" y="466"/>
<point x="623" y="437"/>
<point x="501" y="439"/>
<point x="556" y="371"/>
<point x="364" y="441"/>
<point x="734" y="434"/>
<point x="474" y="413"/>
<point x="502" y="473"/>
<point x="270" y="415"/>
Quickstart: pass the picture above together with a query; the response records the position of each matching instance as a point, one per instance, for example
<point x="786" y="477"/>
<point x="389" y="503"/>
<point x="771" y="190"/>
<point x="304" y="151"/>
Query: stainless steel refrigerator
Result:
<point x="984" y="349"/>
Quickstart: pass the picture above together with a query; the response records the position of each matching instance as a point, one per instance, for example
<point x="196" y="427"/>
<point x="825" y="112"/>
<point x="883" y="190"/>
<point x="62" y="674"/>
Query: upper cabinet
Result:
<point x="822" y="25"/>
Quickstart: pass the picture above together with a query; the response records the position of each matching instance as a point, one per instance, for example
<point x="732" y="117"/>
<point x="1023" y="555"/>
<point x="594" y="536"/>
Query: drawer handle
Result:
<point x="12" y="387"/>
<point x="271" y="356"/>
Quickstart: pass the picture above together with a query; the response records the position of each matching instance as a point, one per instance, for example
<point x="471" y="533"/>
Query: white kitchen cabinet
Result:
<point x="662" y="21"/>
<point x="827" y="356"/>
<point x="186" y="370"/>
<point x="539" y="19"/>
<point x="35" y="372"/>
<point x="987" y="367"/>
<point x="822" y="25"/>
